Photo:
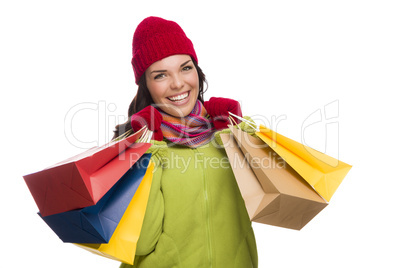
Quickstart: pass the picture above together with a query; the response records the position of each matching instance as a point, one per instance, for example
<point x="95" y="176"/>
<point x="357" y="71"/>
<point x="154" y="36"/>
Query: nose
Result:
<point x="177" y="82"/>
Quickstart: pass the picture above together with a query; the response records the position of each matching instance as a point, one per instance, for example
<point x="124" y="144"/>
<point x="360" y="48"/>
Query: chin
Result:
<point x="180" y="112"/>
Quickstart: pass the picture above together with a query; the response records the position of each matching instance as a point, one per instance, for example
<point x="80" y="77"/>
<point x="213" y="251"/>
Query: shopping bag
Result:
<point x="322" y="172"/>
<point x="96" y="224"/>
<point x="82" y="180"/>
<point x="123" y="243"/>
<point x="273" y="192"/>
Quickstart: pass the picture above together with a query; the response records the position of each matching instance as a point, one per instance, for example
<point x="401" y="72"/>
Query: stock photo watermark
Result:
<point x="321" y="127"/>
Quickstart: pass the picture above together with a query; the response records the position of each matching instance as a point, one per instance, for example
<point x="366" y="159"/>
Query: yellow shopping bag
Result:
<point x="322" y="172"/>
<point x="123" y="243"/>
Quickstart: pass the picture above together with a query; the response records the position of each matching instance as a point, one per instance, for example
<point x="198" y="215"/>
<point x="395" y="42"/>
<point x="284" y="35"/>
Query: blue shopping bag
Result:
<point x="96" y="224"/>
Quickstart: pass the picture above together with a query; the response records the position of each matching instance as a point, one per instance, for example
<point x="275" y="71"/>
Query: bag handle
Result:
<point x="145" y="137"/>
<point x="248" y="122"/>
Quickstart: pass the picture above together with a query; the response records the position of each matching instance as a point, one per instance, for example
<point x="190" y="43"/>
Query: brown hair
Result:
<point x="144" y="99"/>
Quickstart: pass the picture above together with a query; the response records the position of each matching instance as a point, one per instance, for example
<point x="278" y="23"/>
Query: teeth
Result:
<point x="179" y="97"/>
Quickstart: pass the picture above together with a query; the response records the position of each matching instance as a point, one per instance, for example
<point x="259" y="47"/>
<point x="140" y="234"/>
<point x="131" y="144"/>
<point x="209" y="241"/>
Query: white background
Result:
<point x="280" y="59"/>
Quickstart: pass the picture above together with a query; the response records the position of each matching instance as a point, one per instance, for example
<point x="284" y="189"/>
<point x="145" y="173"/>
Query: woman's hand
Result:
<point x="219" y="108"/>
<point x="150" y="117"/>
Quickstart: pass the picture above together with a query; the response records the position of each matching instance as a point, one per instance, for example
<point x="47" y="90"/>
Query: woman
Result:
<point x="195" y="215"/>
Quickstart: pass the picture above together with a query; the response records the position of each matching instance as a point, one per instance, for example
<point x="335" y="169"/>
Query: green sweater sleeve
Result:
<point x="152" y="224"/>
<point x="244" y="126"/>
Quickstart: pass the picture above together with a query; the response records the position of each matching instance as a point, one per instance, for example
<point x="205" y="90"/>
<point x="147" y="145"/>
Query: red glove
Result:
<point x="150" y="117"/>
<point x="219" y="108"/>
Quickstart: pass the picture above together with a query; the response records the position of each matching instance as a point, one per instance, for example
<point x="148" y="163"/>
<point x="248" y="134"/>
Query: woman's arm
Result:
<point x="152" y="225"/>
<point x="153" y="220"/>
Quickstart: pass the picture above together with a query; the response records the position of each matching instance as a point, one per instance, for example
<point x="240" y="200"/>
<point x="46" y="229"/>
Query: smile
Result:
<point x="179" y="97"/>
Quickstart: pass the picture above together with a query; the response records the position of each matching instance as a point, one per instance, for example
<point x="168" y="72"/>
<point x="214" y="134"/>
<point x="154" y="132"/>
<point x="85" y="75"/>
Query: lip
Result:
<point x="181" y="102"/>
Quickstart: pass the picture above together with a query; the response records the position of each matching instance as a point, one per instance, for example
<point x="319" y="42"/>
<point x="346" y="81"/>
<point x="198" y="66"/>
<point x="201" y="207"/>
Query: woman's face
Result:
<point x="173" y="84"/>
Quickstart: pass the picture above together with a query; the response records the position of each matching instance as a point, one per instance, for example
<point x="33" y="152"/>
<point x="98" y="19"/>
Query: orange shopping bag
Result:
<point x="323" y="172"/>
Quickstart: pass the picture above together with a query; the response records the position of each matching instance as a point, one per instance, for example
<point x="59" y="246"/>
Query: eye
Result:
<point x="159" y="76"/>
<point x="187" y="68"/>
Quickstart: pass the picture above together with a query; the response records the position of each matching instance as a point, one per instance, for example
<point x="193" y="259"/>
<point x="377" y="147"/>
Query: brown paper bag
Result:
<point x="273" y="192"/>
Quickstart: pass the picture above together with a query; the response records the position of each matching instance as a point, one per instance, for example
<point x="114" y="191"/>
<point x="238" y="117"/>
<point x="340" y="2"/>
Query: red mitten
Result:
<point x="219" y="108"/>
<point x="150" y="117"/>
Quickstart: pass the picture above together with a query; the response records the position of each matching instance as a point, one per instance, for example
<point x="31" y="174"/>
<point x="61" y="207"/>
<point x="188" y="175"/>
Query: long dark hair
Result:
<point x="143" y="99"/>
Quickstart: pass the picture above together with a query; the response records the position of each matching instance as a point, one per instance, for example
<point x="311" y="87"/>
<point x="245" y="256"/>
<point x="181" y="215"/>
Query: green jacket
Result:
<point x="195" y="215"/>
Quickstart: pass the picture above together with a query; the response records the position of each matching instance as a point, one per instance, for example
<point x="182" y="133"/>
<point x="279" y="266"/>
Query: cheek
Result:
<point x="157" y="93"/>
<point x="195" y="81"/>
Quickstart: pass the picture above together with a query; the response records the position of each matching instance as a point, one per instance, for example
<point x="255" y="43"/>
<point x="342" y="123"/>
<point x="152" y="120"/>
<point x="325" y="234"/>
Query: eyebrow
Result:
<point x="162" y="71"/>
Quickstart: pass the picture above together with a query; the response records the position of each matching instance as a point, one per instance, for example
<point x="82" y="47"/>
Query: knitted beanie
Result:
<point x="156" y="38"/>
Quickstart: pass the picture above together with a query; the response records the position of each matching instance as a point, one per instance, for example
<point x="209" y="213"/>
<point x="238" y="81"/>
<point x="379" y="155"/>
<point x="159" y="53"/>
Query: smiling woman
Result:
<point x="195" y="215"/>
<point x="173" y="84"/>
<point x="144" y="96"/>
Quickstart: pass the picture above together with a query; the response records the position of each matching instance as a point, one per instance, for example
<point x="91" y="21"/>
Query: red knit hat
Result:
<point x="156" y="38"/>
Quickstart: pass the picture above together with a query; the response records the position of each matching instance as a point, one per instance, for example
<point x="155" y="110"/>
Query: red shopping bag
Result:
<point x="82" y="180"/>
